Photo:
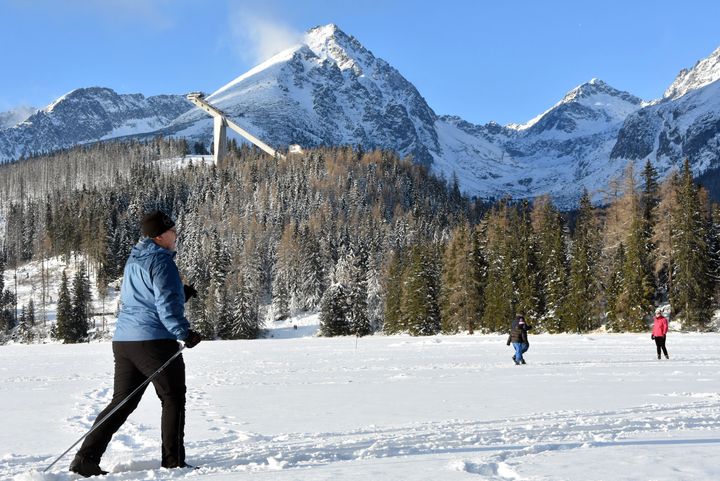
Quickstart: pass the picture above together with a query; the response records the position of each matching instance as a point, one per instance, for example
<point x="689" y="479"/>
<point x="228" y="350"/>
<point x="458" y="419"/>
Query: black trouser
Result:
<point x="660" y="344"/>
<point x="135" y="361"/>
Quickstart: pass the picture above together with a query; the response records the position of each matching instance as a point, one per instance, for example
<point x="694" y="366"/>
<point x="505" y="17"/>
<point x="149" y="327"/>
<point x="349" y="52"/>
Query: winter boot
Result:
<point x="659" y="356"/>
<point x="522" y="361"/>
<point x="515" y="361"/>
<point x="86" y="467"/>
<point x="667" y="357"/>
<point x="182" y="465"/>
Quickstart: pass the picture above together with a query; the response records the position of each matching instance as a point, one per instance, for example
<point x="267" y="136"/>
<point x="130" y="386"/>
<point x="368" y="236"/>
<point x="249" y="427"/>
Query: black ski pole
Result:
<point x="98" y="423"/>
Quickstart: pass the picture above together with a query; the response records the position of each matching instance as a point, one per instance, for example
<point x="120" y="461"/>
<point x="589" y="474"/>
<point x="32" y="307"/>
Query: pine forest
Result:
<point x="374" y="243"/>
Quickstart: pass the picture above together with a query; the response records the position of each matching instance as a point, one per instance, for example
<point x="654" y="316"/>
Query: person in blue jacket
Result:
<point x="150" y="322"/>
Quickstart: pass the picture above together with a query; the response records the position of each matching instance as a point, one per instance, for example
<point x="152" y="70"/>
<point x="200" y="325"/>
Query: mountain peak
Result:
<point x="704" y="72"/>
<point x="330" y="42"/>
<point x="595" y="87"/>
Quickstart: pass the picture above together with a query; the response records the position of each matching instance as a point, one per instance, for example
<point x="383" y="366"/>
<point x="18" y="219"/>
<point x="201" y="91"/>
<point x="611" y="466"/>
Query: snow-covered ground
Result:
<point x="29" y="286"/>
<point x="592" y="407"/>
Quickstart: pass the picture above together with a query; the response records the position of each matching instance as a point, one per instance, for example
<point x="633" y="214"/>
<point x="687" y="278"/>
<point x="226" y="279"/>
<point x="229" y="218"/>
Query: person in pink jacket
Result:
<point x="659" y="331"/>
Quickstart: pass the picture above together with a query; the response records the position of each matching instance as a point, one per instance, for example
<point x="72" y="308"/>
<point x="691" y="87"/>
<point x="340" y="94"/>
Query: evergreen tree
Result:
<point x="81" y="301"/>
<point x="552" y="264"/>
<point x="499" y="293"/>
<point x="218" y="301"/>
<point x="635" y="300"/>
<point x="523" y="263"/>
<point x="460" y="295"/>
<point x="245" y="316"/>
<point x="393" y="322"/>
<point x="7" y="301"/>
<point x="25" y="331"/>
<point x="65" y="329"/>
<point x="334" y="312"/>
<point x="420" y="299"/>
<point x="614" y="289"/>
<point x="582" y="303"/>
<point x="357" y="292"/>
<point x="692" y="284"/>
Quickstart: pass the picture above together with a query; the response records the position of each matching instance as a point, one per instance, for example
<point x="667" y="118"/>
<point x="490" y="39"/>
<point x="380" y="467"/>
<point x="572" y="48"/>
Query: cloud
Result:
<point x="255" y="38"/>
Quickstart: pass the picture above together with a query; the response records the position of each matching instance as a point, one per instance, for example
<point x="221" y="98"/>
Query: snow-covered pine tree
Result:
<point x="552" y="263"/>
<point x="421" y="291"/>
<point x="393" y="319"/>
<point x="312" y="275"/>
<point x="65" y="329"/>
<point x="25" y="331"/>
<point x="358" y="290"/>
<point x="7" y="301"/>
<point x="245" y="316"/>
<point x="334" y="312"/>
<point x="81" y="302"/>
<point x="218" y="299"/>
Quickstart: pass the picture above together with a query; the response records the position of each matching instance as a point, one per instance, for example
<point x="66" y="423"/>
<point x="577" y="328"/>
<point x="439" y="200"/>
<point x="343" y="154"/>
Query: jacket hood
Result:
<point x="147" y="247"/>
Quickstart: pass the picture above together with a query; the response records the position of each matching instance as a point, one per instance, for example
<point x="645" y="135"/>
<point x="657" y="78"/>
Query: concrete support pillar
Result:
<point x="220" y="144"/>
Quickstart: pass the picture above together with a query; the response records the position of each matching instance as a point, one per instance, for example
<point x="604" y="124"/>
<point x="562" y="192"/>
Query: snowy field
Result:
<point x="594" y="407"/>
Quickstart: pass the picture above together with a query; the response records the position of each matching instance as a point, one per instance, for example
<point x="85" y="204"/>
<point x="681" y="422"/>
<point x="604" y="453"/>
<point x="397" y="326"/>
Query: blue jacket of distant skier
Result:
<point x="152" y="301"/>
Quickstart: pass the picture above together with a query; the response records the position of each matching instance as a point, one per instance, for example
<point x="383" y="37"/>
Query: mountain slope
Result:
<point x="705" y="72"/>
<point x="89" y="115"/>
<point x="670" y="131"/>
<point x="329" y="90"/>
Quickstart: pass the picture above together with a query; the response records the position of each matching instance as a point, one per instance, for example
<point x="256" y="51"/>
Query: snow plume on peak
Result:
<point x="258" y="39"/>
<point x="705" y="71"/>
<point x="15" y="116"/>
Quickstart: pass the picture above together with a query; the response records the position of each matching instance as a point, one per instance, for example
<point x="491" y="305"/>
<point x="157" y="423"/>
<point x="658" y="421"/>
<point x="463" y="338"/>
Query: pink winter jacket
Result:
<point x="660" y="327"/>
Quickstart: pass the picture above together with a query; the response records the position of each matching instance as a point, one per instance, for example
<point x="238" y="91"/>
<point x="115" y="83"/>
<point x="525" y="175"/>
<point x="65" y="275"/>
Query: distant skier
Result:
<point x="150" y="322"/>
<point x="660" y="329"/>
<point x="519" y="338"/>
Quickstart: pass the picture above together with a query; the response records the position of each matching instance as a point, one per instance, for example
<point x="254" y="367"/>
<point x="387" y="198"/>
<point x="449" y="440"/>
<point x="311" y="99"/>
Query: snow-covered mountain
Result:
<point x="330" y="90"/>
<point x="557" y="152"/>
<point x="89" y="115"/>
<point x="705" y="72"/>
<point x="672" y="130"/>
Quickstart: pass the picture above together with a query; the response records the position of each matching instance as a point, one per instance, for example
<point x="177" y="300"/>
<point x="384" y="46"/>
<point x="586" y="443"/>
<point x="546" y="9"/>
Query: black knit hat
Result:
<point x="156" y="223"/>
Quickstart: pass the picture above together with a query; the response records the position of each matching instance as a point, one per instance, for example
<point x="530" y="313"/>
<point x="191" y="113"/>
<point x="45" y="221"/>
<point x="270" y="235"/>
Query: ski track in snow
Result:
<point x="492" y="448"/>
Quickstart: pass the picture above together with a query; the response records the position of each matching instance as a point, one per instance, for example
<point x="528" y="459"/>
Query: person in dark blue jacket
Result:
<point x="518" y="338"/>
<point x="150" y="322"/>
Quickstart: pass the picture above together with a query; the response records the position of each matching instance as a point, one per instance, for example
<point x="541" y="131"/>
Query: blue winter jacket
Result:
<point x="151" y="297"/>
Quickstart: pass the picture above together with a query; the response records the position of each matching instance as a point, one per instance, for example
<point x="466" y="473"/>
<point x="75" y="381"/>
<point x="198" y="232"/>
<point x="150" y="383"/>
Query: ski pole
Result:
<point x="98" y="423"/>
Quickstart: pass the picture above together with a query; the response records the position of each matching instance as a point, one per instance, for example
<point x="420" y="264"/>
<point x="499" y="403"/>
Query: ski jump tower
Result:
<point x="221" y="123"/>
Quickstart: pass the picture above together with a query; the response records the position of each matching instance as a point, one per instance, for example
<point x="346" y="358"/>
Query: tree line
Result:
<point x="373" y="242"/>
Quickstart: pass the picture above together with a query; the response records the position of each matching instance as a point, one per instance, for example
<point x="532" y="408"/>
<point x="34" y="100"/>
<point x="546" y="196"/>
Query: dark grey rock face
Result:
<point x="88" y="115"/>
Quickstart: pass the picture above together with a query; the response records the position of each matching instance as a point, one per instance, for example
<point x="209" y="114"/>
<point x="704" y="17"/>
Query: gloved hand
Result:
<point x="652" y="336"/>
<point x="192" y="340"/>
<point x="189" y="291"/>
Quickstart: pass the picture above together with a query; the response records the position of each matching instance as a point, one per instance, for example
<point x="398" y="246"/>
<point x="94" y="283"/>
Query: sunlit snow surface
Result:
<point x="595" y="407"/>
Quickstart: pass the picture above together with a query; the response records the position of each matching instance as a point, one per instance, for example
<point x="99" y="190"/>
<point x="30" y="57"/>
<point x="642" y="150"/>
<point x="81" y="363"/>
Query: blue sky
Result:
<point x="481" y="60"/>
